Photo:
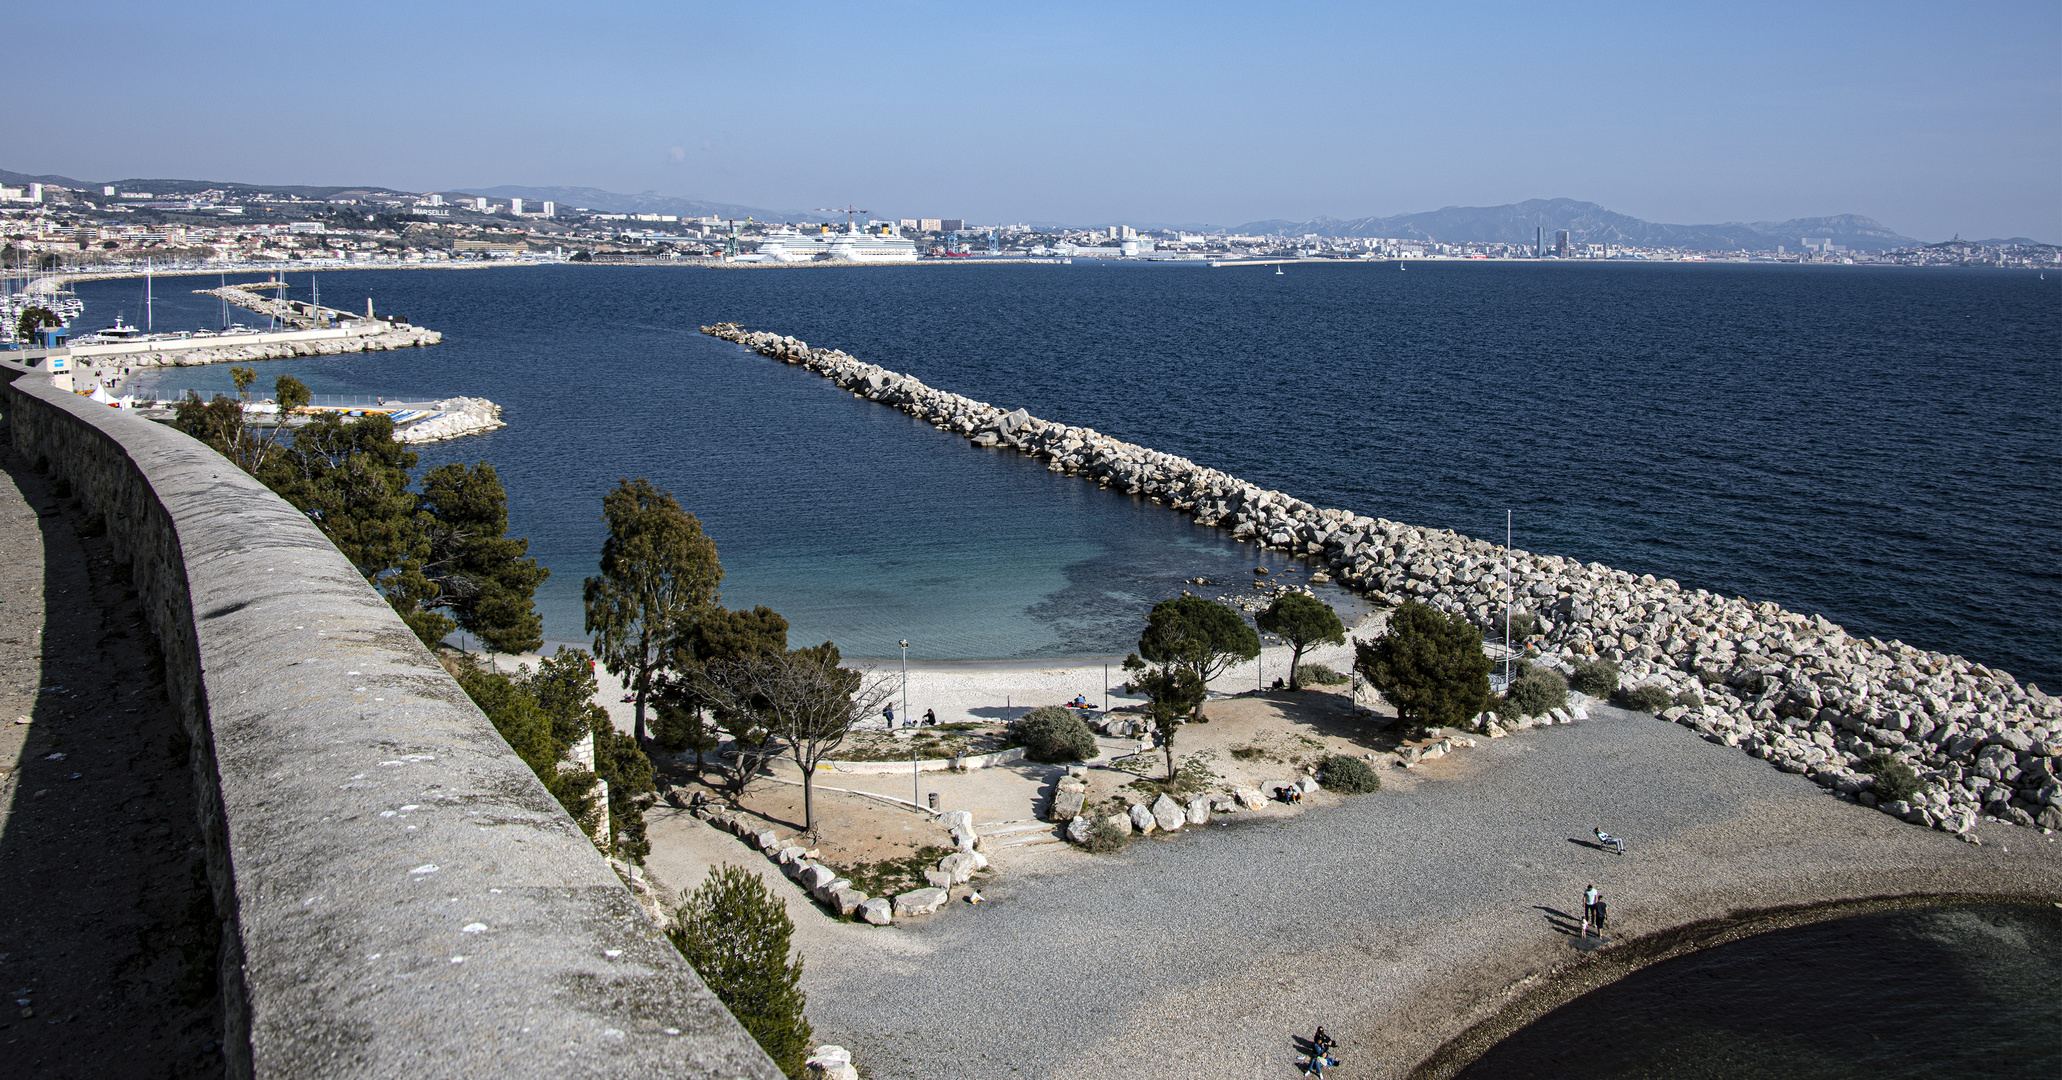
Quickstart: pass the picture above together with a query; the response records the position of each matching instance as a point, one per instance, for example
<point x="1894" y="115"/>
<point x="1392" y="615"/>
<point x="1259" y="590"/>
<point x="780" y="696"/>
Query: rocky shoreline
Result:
<point x="1795" y="690"/>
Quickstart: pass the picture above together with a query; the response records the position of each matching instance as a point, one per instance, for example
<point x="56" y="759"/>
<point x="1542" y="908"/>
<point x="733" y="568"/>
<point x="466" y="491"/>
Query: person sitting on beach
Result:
<point x="1323" y="1041"/>
<point x="1608" y="840"/>
<point x="930" y="718"/>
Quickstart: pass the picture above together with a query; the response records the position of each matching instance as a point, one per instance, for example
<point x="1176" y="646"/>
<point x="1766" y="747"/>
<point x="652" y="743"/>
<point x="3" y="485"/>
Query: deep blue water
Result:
<point x="1880" y="446"/>
<point x="1967" y="992"/>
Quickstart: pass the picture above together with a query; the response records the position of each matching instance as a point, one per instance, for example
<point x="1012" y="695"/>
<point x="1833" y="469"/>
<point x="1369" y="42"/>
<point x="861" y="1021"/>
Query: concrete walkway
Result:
<point x="1396" y="919"/>
<point x="107" y="944"/>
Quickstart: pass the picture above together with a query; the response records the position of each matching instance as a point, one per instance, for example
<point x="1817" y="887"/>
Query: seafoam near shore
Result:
<point x="1796" y="690"/>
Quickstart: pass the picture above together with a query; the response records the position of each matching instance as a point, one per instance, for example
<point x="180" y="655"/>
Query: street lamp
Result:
<point x="906" y="718"/>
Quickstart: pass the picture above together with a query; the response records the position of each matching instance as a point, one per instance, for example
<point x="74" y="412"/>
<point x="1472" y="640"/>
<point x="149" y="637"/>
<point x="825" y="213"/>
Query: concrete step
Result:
<point x="1004" y="828"/>
<point x="1051" y="836"/>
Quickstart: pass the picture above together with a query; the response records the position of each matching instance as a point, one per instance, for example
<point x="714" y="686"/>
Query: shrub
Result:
<point x="1689" y="700"/>
<point x="1348" y="775"/>
<point x="735" y="933"/>
<point x="1537" y="692"/>
<point x="1646" y="699"/>
<point x="1106" y="836"/>
<point x="1318" y="675"/>
<point x="1598" y="678"/>
<point x="1050" y="733"/>
<point x="1895" y="780"/>
<point x="1523" y="625"/>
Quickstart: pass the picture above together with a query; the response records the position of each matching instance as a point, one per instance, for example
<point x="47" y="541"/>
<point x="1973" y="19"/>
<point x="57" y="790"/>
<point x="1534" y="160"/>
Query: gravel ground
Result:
<point x="1396" y="919"/>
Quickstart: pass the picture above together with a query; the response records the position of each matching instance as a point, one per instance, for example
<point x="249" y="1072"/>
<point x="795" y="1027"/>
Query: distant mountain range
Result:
<point x="1588" y="223"/>
<point x="1516" y="223"/>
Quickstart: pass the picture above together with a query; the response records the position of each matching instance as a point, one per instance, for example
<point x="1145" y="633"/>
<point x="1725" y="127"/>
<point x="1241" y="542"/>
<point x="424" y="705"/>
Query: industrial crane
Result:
<point x="848" y="211"/>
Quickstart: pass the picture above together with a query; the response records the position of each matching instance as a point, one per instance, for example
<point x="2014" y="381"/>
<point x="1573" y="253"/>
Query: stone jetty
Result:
<point x="1795" y="690"/>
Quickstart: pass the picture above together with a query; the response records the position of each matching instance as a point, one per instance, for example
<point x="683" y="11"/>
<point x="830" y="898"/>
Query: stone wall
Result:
<point x="399" y="893"/>
<point x="1795" y="690"/>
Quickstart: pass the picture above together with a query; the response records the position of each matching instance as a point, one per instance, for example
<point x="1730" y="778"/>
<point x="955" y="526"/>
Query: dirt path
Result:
<point x="107" y="947"/>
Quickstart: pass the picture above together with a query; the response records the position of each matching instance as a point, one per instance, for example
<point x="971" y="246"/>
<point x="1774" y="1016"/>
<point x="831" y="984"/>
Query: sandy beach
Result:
<point x="991" y="690"/>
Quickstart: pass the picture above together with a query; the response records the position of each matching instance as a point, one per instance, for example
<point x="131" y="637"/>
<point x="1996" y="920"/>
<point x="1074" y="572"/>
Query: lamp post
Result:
<point x="906" y="718"/>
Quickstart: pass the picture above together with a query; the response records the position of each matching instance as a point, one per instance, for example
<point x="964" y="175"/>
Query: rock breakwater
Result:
<point x="1795" y="690"/>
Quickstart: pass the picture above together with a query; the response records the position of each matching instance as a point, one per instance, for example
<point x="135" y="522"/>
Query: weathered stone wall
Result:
<point x="1795" y="690"/>
<point x="399" y="893"/>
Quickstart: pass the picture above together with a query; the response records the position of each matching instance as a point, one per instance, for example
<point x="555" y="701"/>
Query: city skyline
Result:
<point x="1935" y="123"/>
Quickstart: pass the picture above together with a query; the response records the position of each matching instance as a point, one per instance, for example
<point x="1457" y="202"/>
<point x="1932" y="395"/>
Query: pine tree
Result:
<point x="735" y="933"/>
<point x="1429" y="666"/>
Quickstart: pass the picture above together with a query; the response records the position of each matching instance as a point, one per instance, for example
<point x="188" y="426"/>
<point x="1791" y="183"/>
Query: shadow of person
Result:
<point x="1591" y="844"/>
<point x="1560" y="920"/>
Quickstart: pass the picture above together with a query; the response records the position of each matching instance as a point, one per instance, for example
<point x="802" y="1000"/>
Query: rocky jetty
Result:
<point x="453" y="418"/>
<point x="1795" y="690"/>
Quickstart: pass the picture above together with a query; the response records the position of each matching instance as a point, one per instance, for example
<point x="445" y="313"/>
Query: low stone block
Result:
<point x="829" y="889"/>
<point x="880" y="911"/>
<point x="1142" y="818"/>
<point x="1252" y="798"/>
<point x="845" y="900"/>
<point x="960" y="866"/>
<point x="815" y="876"/>
<point x="765" y="840"/>
<point x="920" y="902"/>
<point x="1077" y="830"/>
<point x="1199" y="810"/>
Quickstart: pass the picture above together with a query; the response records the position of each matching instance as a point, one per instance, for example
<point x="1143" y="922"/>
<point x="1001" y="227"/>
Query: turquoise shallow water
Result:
<point x="1881" y="446"/>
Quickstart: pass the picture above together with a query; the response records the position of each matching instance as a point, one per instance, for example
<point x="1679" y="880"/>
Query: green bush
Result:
<point x="1318" y="675"/>
<point x="1050" y="733"/>
<point x="735" y="933"/>
<point x="1348" y="775"/>
<point x="1106" y="836"/>
<point x="1646" y="699"/>
<point x="1537" y="692"/>
<point x="1523" y="625"/>
<point x="1895" y="780"/>
<point x="1598" y="678"/>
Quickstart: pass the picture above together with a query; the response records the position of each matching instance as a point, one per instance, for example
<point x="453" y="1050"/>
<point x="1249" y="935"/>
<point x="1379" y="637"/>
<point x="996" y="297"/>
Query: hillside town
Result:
<point x="180" y="223"/>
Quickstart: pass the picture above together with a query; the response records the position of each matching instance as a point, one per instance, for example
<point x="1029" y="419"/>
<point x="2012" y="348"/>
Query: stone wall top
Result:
<point x="400" y="896"/>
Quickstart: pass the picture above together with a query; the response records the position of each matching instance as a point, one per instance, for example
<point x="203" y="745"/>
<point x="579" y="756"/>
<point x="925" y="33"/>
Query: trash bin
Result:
<point x="934" y="801"/>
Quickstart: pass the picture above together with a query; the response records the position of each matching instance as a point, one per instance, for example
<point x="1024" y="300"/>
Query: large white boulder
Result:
<point x="1142" y="818"/>
<point x="1168" y="814"/>
<point x="1199" y="810"/>
<point x="959" y="866"/>
<point x="920" y="902"/>
<point x="879" y="911"/>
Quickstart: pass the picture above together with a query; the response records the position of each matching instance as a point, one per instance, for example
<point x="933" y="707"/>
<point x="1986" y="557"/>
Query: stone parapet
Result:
<point x="399" y="894"/>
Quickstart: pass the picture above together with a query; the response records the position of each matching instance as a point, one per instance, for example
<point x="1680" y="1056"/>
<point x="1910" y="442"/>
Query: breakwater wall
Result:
<point x="1795" y="690"/>
<point x="398" y="893"/>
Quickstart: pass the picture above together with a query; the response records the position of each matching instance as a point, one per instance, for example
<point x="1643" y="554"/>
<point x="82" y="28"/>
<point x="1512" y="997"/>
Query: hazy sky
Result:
<point x="1935" y="118"/>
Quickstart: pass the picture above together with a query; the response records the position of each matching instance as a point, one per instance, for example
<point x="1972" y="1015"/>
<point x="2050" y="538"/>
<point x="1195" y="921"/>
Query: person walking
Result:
<point x="888" y="711"/>
<point x="1591" y="898"/>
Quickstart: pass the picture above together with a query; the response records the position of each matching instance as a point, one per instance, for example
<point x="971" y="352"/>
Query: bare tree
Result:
<point x="802" y="698"/>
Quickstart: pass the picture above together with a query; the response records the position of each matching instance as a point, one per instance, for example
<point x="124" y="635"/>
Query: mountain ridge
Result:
<point x="1589" y="223"/>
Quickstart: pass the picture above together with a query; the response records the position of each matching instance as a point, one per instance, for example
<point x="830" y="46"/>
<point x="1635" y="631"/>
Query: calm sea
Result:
<point x="1968" y="992"/>
<point x="1880" y="446"/>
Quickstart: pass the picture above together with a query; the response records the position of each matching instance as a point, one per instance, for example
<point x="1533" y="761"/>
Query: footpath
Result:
<point x="108" y="947"/>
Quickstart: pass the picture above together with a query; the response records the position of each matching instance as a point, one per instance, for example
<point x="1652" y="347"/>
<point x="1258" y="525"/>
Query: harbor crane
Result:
<point x="849" y="212"/>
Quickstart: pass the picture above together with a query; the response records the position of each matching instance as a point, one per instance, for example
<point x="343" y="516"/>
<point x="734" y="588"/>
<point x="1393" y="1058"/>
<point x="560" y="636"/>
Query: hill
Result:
<point x="1588" y="223"/>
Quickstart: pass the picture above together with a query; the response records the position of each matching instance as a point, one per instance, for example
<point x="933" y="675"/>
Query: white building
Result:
<point x="515" y="207"/>
<point x="550" y="208"/>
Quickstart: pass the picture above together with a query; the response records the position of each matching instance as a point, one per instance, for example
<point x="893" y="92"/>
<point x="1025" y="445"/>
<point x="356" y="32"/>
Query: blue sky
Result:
<point x="1934" y="118"/>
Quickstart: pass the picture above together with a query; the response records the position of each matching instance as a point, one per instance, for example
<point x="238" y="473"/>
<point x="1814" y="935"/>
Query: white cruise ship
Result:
<point x="852" y="245"/>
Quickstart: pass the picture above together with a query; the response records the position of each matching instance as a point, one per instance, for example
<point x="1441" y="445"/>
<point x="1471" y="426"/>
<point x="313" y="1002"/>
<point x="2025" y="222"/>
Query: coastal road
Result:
<point x="1395" y="919"/>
